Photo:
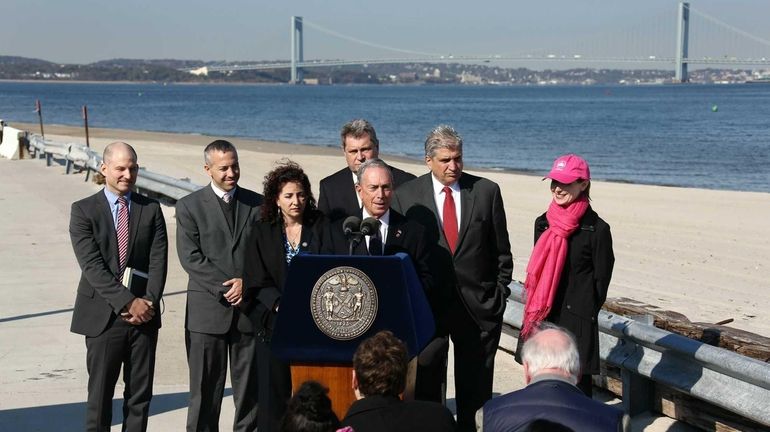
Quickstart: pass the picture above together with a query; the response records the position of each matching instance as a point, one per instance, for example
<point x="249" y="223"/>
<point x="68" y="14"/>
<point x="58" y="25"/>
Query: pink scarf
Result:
<point x="547" y="261"/>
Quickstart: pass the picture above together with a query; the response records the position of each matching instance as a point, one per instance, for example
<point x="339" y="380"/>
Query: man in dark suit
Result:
<point x="111" y="231"/>
<point x="379" y="376"/>
<point x="216" y="244"/>
<point x="375" y="188"/>
<point x="465" y="222"/>
<point x="338" y="198"/>
<point x="551" y="370"/>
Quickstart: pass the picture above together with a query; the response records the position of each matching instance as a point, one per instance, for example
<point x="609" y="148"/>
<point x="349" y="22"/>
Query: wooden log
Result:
<point x="740" y="341"/>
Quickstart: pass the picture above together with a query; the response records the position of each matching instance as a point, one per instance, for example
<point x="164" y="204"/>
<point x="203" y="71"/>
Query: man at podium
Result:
<point x="390" y="231"/>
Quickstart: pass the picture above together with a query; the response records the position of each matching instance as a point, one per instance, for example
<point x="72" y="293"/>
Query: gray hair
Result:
<point x="358" y="128"/>
<point x="541" y="353"/>
<point x="110" y="149"/>
<point x="442" y="136"/>
<point x="220" y="146"/>
<point x="373" y="163"/>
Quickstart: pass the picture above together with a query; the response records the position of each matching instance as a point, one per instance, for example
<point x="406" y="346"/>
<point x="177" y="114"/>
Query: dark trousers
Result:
<point x="133" y="349"/>
<point x="207" y="357"/>
<point x="474" y="353"/>
<point x="274" y="388"/>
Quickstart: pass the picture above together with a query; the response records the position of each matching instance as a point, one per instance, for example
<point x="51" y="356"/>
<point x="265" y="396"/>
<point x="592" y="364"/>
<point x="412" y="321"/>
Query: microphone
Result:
<point x="350" y="225"/>
<point x="370" y="226"/>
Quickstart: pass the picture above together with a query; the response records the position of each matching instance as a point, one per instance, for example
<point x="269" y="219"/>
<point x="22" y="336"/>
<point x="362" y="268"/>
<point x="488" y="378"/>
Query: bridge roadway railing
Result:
<point x="645" y="354"/>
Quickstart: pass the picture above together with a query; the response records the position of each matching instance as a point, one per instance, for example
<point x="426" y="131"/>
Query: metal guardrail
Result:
<point x="78" y="155"/>
<point x="646" y="354"/>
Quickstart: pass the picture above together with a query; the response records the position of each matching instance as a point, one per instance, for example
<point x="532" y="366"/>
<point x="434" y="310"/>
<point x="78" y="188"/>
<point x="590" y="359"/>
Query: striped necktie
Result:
<point x="122" y="234"/>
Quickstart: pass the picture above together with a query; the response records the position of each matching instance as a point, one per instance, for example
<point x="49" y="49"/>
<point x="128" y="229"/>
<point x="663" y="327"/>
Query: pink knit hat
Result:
<point x="569" y="168"/>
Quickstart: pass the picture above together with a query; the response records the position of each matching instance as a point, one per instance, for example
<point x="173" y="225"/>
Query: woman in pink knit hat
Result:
<point x="571" y="264"/>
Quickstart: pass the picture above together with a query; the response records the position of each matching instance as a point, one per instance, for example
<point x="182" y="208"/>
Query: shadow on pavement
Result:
<point x="70" y="416"/>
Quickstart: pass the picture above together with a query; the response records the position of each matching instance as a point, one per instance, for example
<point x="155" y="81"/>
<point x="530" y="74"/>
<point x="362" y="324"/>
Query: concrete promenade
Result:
<point x="42" y="365"/>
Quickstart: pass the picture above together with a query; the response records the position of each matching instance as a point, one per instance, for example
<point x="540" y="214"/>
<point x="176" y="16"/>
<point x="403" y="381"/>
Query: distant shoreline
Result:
<point x="260" y="145"/>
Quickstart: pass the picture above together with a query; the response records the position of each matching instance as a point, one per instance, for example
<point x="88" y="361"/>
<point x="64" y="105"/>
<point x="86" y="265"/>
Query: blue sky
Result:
<point x="81" y="31"/>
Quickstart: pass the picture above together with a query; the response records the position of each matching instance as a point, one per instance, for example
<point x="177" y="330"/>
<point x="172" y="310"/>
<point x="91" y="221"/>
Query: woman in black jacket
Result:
<point x="290" y="224"/>
<point x="571" y="265"/>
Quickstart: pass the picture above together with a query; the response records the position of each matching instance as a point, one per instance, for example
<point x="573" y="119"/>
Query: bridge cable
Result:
<point x="730" y="27"/>
<point x="363" y="42"/>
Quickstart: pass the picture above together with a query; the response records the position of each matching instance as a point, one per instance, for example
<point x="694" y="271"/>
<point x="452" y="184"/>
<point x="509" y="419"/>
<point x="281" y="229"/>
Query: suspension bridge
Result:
<point x="674" y="49"/>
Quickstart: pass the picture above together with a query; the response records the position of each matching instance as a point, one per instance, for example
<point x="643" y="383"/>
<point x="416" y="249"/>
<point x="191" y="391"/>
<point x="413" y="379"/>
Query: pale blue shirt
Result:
<point x="112" y="199"/>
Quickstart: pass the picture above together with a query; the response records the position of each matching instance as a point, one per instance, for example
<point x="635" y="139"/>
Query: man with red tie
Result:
<point x="111" y="231"/>
<point x="465" y="220"/>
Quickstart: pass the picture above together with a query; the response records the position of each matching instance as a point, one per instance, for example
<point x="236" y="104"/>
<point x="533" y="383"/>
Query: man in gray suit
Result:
<point x="111" y="231"/>
<point x="216" y="245"/>
<point x="465" y="220"/>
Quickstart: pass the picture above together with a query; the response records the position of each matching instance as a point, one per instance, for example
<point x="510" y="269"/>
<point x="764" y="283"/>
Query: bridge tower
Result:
<point x="296" y="50"/>
<point x="682" y="36"/>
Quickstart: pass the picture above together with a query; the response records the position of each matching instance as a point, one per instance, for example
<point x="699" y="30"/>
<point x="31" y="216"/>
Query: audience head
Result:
<point x="287" y="194"/>
<point x="310" y="410"/>
<point x="375" y="186"/>
<point x="359" y="143"/>
<point x="551" y="350"/>
<point x="444" y="154"/>
<point x="119" y="167"/>
<point x="380" y="365"/>
<point x="222" y="164"/>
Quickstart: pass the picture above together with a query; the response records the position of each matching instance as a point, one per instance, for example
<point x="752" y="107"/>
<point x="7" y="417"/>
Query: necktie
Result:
<point x="122" y="234"/>
<point x="450" y="219"/>
<point x="226" y="198"/>
<point x="375" y="244"/>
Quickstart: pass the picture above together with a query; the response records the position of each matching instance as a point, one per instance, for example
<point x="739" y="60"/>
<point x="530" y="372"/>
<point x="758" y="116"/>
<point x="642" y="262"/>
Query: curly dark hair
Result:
<point x="286" y="172"/>
<point x="310" y="410"/>
<point x="380" y="363"/>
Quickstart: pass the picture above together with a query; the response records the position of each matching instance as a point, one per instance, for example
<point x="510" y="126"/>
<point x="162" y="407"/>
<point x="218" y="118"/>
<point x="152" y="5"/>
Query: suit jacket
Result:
<point x="271" y="268"/>
<point x="101" y="295"/>
<point x="583" y="285"/>
<point x="337" y="197"/>
<point x="482" y="261"/>
<point x="391" y="414"/>
<point x="403" y="236"/>
<point x="211" y="254"/>
<point x="554" y="400"/>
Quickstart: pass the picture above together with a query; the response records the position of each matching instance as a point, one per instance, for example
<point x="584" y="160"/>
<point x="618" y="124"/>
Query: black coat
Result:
<point x="390" y="414"/>
<point x="583" y="286"/>
<point x="271" y="268"/>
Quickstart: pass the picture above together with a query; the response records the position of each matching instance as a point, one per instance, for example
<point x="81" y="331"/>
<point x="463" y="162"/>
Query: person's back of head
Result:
<point x="551" y="350"/>
<point x="380" y="365"/>
<point x="310" y="410"/>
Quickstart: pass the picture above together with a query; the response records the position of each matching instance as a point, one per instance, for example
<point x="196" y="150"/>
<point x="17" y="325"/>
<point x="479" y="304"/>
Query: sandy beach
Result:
<point x="703" y="253"/>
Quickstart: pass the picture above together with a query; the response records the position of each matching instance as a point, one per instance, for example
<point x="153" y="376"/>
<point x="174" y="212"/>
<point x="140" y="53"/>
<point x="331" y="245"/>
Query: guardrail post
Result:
<point x="48" y="158"/>
<point x="638" y="392"/>
<point x="68" y="167"/>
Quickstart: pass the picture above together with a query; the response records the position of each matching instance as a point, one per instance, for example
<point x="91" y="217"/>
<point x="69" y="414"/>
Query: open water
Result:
<point x="714" y="137"/>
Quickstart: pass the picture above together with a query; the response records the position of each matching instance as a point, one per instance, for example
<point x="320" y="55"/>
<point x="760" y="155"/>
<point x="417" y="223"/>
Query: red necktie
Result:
<point x="122" y="234"/>
<point x="450" y="219"/>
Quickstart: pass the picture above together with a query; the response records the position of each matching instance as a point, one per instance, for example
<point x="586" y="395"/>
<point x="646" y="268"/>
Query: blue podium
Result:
<point x="330" y="303"/>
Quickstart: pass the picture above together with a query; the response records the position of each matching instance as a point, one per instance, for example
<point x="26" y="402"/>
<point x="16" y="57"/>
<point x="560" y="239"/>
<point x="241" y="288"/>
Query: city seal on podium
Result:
<point x="343" y="303"/>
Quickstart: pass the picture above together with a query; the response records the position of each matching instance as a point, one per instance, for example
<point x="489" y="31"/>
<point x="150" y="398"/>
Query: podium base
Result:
<point x="336" y="377"/>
